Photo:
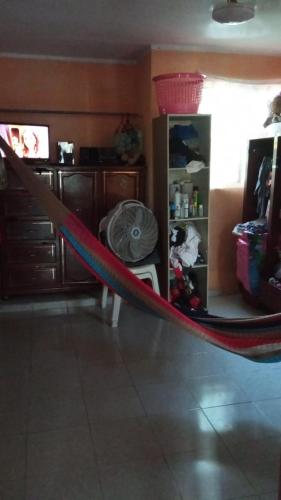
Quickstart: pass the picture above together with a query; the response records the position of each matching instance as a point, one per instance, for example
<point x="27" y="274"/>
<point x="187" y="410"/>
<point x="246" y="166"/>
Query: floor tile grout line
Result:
<point x="226" y="447"/>
<point x="153" y="432"/>
<point x="29" y="406"/>
<point x="95" y="456"/>
<point x="147" y="419"/>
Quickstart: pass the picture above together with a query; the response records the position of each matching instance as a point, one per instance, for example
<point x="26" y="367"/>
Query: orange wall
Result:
<point x="225" y="213"/>
<point x="244" y="66"/>
<point x="69" y="86"/>
<point x="146" y="100"/>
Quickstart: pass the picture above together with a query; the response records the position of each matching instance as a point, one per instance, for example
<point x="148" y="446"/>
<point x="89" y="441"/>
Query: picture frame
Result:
<point x="65" y="151"/>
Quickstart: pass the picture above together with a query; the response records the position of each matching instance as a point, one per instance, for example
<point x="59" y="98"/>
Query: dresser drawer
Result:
<point x="21" y="205"/>
<point x="32" y="276"/>
<point x="14" y="181"/>
<point x="30" y="230"/>
<point x="32" y="254"/>
<point x="45" y="175"/>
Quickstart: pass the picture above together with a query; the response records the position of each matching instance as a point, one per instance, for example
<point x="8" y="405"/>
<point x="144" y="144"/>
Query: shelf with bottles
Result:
<point x="189" y="195"/>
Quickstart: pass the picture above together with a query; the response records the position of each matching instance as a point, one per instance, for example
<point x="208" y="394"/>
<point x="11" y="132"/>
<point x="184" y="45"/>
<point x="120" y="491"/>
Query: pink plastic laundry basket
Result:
<point x="179" y="92"/>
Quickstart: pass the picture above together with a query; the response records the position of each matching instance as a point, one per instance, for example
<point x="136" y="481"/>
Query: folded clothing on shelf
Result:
<point x="258" y="226"/>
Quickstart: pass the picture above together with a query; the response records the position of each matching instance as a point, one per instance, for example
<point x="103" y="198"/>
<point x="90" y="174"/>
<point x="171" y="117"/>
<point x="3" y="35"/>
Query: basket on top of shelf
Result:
<point x="179" y="92"/>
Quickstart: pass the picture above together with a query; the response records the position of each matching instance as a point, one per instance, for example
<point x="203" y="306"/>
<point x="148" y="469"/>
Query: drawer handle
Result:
<point x="41" y="170"/>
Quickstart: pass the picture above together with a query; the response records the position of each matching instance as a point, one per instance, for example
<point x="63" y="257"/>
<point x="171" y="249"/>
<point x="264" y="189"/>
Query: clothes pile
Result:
<point x="258" y="226"/>
<point x="184" y="148"/>
<point x="184" y="246"/>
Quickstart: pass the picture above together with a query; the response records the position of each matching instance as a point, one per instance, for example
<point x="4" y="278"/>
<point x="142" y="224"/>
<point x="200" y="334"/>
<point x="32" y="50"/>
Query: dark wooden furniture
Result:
<point x="34" y="258"/>
<point x="270" y="296"/>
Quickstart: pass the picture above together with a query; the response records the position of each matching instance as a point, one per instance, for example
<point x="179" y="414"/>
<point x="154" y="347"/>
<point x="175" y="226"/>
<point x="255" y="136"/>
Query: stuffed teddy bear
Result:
<point x="128" y="144"/>
<point x="275" y="111"/>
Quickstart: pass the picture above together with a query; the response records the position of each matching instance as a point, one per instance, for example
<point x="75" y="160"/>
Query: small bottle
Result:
<point x="190" y="207"/>
<point x="182" y="210"/>
<point x="178" y="212"/>
<point x="200" y="211"/>
<point x="186" y="208"/>
<point x="177" y="198"/>
<point x="195" y="197"/>
<point x="172" y="210"/>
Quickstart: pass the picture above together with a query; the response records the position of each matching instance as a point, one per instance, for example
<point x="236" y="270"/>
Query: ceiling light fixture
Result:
<point x="233" y="12"/>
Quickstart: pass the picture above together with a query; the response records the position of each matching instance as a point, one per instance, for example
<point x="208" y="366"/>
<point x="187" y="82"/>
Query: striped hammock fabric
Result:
<point x="256" y="338"/>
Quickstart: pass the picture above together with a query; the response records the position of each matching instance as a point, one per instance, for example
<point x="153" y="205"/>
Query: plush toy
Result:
<point x="275" y="106"/>
<point x="128" y="143"/>
<point x="275" y="111"/>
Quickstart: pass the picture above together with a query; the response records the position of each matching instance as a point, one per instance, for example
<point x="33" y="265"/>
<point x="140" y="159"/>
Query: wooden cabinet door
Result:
<point x="78" y="191"/>
<point x="119" y="185"/>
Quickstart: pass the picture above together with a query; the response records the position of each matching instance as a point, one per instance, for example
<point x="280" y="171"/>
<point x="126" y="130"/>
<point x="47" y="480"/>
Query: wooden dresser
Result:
<point x="34" y="258"/>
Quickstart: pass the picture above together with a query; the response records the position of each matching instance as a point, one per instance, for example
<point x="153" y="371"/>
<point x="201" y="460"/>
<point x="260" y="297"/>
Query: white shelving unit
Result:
<point x="164" y="176"/>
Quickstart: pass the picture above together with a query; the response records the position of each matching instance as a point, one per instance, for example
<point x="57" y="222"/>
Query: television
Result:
<point x="30" y="142"/>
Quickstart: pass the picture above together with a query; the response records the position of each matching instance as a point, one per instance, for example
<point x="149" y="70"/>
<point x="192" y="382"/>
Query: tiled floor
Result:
<point x="142" y="412"/>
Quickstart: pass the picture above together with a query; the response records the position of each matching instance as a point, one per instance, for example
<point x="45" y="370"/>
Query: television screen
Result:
<point x="28" y="141"/>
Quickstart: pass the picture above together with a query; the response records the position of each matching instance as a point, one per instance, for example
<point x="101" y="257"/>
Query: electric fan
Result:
<point x="130" y="230"/>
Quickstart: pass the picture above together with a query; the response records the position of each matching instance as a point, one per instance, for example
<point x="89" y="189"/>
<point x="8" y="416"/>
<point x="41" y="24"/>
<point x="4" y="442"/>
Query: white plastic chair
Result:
<point x="143" y="273"/>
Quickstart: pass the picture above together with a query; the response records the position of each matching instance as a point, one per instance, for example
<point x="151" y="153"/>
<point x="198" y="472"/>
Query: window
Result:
<point x="238" y="111"/>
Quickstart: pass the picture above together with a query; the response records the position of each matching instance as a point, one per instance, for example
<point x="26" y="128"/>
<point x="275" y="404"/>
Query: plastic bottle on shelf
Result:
<point x="177" y="197"/>
<point x="178" y="212"/>
<point x="190" y="207"/>
<point x="200" y="211"/>
<point x="172" y="210"/>
<point x="195" y="198"/>
<point x="186" y="207"/>
<point x="182" y="209"/>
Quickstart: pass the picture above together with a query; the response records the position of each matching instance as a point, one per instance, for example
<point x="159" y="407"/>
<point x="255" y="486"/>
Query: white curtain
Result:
<point x="238" y="111"/>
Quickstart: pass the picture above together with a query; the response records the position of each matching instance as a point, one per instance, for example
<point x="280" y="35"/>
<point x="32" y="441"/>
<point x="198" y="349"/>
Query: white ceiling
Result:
<point x="122" y="29"/>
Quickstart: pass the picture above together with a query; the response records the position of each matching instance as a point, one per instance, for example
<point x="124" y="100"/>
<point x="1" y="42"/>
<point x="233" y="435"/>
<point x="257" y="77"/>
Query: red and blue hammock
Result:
<point x="256" y="338"/>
